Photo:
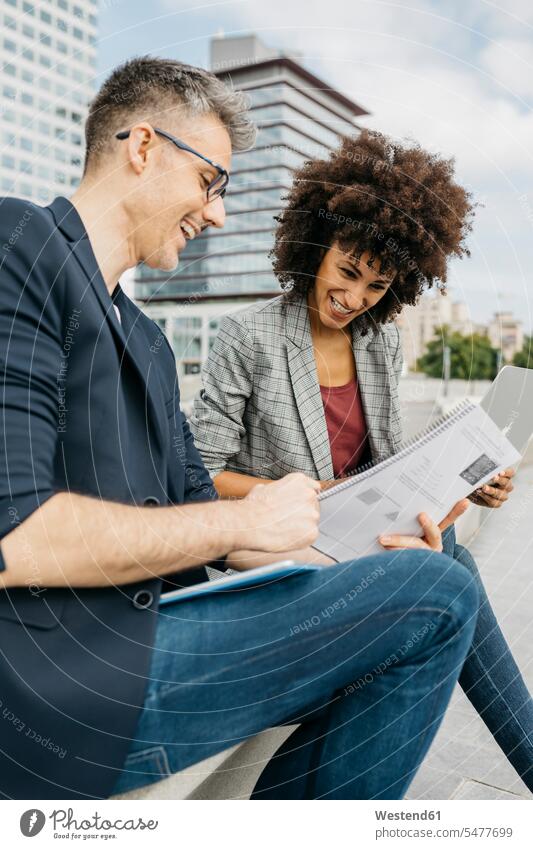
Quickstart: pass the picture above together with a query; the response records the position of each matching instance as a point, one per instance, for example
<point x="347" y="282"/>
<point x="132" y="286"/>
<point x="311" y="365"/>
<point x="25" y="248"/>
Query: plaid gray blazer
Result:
<point x="260" y="410"/>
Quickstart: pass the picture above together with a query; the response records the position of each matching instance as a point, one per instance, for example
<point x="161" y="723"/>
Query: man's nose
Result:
<point x="215" y="213"/>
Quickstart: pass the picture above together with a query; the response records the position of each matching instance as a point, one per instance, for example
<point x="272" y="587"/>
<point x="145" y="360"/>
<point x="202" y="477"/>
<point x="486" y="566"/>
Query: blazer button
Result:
<point x="151" y="501"/>
<point x="142" y="599"/>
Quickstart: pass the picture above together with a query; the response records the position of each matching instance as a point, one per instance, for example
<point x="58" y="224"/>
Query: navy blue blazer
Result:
<point x="91" y="406"/>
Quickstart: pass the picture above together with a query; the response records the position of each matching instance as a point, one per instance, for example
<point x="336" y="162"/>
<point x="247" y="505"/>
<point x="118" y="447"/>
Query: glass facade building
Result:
<point x="298" y="117"/>
<point x="47" y="67"/>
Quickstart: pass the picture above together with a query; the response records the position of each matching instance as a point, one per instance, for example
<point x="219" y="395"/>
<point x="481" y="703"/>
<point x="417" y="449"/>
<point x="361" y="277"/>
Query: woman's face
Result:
<point x="346" y="287"/>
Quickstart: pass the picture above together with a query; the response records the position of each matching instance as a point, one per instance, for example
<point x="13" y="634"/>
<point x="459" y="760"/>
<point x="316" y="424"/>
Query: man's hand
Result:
<point x="432" y="539"/>
<point x="285" y="513"/>
<point x="496" y="492"/>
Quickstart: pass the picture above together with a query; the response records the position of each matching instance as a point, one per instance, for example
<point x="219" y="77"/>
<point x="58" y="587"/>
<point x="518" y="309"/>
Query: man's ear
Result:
<point x="140" y="143"/>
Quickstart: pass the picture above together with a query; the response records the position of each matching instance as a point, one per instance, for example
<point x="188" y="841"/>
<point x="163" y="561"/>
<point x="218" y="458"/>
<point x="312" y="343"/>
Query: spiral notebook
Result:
<point x="428" y="474"/>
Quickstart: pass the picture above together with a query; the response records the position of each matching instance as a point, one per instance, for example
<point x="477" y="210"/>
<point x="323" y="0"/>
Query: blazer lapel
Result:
<point x="138" y="348"/>
<point x="134" y="346"/>
<point x="304" y="379"/>
<point x="374" y="381"/>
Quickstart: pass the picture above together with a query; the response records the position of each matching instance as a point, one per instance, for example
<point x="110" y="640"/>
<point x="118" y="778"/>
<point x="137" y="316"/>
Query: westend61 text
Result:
<point x="407" y="815"/>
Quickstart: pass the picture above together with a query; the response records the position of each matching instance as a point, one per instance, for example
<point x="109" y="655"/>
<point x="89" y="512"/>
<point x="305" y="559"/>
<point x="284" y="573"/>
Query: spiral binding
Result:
<point x="407" y="447"/>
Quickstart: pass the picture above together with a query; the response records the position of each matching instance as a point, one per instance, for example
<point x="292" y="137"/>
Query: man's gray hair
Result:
<point x="148" y="86"/>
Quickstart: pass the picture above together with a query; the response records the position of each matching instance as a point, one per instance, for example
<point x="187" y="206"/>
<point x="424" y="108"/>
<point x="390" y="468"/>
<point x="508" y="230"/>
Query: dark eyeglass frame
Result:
<point x="217" y="187"/>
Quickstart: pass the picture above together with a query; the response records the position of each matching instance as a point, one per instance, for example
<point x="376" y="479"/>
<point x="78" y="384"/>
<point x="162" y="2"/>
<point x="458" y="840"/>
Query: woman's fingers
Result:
<point x="456" y="511"/>
<point x="432" y="537"/>
<point x="501" y="482"/>
<point x="496" y="491"/>
<point x="504" y="484"/>
<point x="493" y="496"/>
<point x="492" y="502"/>
<point x="396" y="541"/>
<point x="432" y="531"/>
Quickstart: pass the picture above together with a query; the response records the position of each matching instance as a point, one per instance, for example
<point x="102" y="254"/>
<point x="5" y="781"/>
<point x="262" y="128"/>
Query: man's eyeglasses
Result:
<point x="217" y="187"/>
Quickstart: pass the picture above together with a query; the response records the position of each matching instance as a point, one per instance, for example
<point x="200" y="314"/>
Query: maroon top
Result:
<point x="346" y="423"/>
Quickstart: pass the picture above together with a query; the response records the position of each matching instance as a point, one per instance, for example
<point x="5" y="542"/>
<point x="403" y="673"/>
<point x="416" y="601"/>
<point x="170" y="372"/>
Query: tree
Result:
<point x="524" y="358"/>
<point x="471" y="357"/>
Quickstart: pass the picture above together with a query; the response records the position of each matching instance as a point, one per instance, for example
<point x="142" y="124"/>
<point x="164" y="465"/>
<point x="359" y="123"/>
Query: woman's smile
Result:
<point x="338" y="309"/>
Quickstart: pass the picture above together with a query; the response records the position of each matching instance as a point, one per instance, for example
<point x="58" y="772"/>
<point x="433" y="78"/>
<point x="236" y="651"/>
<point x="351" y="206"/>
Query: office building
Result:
<point x="47" y="66"/>
<point x="421" y="324"/>
<point x="506" y="334"/>
<point x="299" y="116"/>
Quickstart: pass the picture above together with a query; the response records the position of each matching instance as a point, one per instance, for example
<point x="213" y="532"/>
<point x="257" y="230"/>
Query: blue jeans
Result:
<point x="364" y="655"/>
<point x="491" y="679"/>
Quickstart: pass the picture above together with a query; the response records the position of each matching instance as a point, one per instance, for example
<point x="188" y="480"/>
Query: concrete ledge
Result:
<point x="232" y="774"/>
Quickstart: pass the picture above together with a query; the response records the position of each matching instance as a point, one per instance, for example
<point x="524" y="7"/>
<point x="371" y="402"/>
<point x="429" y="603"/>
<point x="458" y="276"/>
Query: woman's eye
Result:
<point x="377" y="287"/>
<point x="349" y="272"/>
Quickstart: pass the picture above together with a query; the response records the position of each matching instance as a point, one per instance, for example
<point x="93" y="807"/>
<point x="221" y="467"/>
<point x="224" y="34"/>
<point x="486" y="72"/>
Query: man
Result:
<point x="104" y="495"/>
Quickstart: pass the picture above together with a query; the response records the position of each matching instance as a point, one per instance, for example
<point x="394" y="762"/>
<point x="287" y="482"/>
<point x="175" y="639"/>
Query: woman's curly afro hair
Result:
<point x="399" y="202"/>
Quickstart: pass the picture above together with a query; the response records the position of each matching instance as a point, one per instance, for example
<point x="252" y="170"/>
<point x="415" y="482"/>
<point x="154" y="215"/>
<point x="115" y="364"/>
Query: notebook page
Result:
<point x="430" y="476"/>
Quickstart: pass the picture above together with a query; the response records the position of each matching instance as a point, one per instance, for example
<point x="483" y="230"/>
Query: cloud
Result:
<point x="510" y="61"/>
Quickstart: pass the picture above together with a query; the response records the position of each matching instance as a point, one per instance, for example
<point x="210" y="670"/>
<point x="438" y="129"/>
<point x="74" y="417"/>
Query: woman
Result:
<point x="308" y="381"/>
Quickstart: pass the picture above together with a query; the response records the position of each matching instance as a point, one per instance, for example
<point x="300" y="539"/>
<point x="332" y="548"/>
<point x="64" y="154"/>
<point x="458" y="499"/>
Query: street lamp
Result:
<point x="446" y="367"/>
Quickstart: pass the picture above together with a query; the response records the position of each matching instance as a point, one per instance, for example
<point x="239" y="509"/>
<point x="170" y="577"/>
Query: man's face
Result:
<point x="167" y="198"/>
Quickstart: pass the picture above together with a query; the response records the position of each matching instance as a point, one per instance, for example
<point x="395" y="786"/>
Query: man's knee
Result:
<point x="455" y="588"/>
<point x="420" y="576"/>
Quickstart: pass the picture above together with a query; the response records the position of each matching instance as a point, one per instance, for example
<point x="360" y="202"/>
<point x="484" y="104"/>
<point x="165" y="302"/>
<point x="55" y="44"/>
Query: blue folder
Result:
<point x="239" y="581"/>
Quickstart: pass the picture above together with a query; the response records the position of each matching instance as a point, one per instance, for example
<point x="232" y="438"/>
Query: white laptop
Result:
<point x="509" y="403"/>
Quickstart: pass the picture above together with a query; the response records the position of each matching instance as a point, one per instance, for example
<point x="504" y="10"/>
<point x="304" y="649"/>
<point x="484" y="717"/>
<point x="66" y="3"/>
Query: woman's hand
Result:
<point x="496" y="492"/>
<point x="328" y="484"/>
<point x="432" y="539"/>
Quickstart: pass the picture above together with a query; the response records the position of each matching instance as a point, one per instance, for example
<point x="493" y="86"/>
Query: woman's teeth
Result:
<point x="339" y="307"/>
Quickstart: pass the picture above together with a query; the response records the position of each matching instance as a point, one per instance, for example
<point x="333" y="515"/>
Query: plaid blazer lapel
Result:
<point x="378" y="394"/>
<point x="304" y="379"/>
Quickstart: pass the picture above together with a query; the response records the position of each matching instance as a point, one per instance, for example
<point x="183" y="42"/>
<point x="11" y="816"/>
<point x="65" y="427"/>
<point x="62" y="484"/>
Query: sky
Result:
<point x="455" y="75"/>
